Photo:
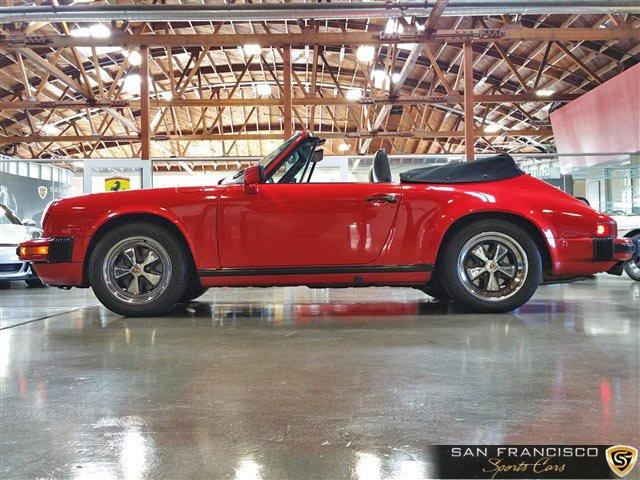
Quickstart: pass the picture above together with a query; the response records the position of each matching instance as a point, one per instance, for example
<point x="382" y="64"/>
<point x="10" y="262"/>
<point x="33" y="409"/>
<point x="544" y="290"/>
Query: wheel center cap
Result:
<point x="136" y="269"/>
<point x="492" y="266"/>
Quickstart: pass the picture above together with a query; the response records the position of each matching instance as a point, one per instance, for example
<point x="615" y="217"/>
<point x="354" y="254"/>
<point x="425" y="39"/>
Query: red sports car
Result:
<point x="481" y="233"/>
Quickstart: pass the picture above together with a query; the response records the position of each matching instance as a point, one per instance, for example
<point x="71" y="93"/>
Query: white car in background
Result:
<point x="629" y="226"/>
<point x="12" y="233"/>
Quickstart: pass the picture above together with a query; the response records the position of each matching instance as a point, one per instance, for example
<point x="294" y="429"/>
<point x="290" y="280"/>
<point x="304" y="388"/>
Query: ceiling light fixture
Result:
<point x="378" y="77"/>
<point x="134" y="57"/>
<point x="544" y="92"/>
<point x="99" y="30"/>
<point x="365" y="53"/>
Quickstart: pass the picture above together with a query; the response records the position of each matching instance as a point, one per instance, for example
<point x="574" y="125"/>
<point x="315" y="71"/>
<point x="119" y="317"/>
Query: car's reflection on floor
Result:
<point x="380" y="313"/>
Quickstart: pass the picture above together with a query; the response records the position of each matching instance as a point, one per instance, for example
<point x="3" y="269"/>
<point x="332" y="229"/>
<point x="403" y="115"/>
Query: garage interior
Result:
<point x="293" y="382"/>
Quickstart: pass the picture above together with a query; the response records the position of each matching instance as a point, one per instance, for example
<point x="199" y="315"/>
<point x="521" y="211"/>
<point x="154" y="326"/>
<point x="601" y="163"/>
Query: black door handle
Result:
<point x="382" y="197"/>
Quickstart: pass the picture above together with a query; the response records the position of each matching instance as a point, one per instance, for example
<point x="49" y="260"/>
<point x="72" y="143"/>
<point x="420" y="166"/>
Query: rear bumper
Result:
<point x="624" y="248"/>
<point x="58" y="261"/>
<point x="586" y="256"/>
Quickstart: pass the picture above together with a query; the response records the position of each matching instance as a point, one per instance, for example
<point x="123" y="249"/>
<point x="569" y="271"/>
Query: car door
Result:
<point x="305" y="224"/>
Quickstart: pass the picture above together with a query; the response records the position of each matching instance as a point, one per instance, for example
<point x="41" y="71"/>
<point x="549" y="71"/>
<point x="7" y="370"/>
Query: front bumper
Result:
<point x="58" y="261"/>
<point x="50" y="250"/>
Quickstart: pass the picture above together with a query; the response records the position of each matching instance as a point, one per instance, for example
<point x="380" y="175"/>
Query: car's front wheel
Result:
<point x="491" y="266"/>
<point x="34" y="283"/>
<point x="139" y="269"/>
<point x="632" y="266"/>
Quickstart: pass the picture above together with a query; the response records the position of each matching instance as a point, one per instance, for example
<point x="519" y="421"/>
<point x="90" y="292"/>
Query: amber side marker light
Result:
<point x="30" y="251"/>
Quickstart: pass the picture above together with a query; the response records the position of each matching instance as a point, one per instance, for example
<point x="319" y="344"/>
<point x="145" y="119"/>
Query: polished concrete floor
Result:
<point x="299" y="383"/>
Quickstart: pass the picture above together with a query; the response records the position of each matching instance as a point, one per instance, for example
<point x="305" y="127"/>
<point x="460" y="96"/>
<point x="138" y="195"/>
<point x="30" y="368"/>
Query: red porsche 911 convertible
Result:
<point x="481" y="233"/>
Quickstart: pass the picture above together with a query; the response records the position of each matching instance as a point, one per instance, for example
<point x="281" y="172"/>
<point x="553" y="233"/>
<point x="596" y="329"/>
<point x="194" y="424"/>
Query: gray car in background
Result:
<point x="12" y="232"/>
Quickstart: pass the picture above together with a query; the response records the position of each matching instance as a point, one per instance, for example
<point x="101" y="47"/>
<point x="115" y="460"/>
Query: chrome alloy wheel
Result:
<point x="633" y="266"/>
<point x="137" y="270"/>
<point x="492" y="266"/>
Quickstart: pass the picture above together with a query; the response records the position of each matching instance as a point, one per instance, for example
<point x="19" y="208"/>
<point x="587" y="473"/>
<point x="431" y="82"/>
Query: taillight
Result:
<point x="606" y="229"/>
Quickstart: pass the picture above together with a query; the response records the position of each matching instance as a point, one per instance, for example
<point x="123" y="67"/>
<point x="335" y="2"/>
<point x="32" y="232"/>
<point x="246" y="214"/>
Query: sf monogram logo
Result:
<point x="621" y="459"/>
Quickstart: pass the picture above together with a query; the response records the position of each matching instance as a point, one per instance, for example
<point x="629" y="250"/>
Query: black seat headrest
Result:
<point x="381" y="169"/>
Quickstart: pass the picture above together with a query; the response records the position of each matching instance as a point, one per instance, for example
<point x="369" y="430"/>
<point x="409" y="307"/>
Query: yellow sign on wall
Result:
<point x="116" y="184"/>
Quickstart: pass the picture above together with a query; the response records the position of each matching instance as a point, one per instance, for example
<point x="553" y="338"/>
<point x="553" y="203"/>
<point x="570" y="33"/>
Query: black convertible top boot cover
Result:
<point x="498" y="167"/>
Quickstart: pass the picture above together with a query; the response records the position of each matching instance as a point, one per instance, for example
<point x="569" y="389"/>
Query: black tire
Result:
<point x="459" y="286"/>
<point x="435" y="290"/>
<point x="193" y="291"/>
<point x="632" y="267"/>
<point x="34" y="283"/>
<point x="165" y="298"/>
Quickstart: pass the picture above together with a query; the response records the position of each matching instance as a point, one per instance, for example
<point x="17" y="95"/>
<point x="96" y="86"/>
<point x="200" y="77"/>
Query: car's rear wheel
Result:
<point x="139" y="269"/>
<point x="632" y="266"/>
<point x="435" y="290"/>
<point x="491" y="266"/>
<point x="194" y="290"/>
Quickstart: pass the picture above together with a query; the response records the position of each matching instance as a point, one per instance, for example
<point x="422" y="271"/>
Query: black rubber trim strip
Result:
<point x="242" y="272"/>
<point x="617" y="248"/>
<point x="60" y="250"/>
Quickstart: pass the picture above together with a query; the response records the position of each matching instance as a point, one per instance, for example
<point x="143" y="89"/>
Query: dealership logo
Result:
<point x="621" y="459"/>
<point x="42" y="191"/>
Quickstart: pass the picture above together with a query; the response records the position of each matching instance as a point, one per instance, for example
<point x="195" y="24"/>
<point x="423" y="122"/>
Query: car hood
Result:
<point x="128" y="196"/>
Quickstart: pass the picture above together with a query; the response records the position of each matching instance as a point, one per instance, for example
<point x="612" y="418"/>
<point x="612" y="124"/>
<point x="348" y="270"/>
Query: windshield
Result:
<point x="266" y="160"/>
<point x="7" y="217"/>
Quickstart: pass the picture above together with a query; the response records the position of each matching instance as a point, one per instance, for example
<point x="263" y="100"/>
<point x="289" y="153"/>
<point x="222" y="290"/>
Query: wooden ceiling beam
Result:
<point x="310" y="36"/>
<point x="250" y="102"/>
<point x="49" y="68"/>
<point x="530" y="132"/>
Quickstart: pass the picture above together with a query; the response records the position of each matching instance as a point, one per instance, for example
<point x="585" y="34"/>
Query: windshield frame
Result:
<point x="10" y="215"/>
<point x="272" y="160"/>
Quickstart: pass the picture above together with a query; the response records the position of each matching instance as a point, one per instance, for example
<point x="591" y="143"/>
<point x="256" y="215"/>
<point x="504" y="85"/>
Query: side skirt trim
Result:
<point x="241" y="272"/>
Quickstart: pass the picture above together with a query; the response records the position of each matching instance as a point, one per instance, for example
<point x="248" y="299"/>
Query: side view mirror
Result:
<point x="28" y="222"/>
<point x="252" y="176"/>
<point x="317" y="156"/>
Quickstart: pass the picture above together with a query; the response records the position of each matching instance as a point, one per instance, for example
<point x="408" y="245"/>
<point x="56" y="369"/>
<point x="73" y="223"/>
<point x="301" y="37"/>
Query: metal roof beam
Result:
<point x="81" y="12"/>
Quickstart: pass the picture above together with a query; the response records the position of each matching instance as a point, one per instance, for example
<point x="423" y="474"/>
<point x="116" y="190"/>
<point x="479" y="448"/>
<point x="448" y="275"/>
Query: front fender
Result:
<point x="192" y="214"/>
